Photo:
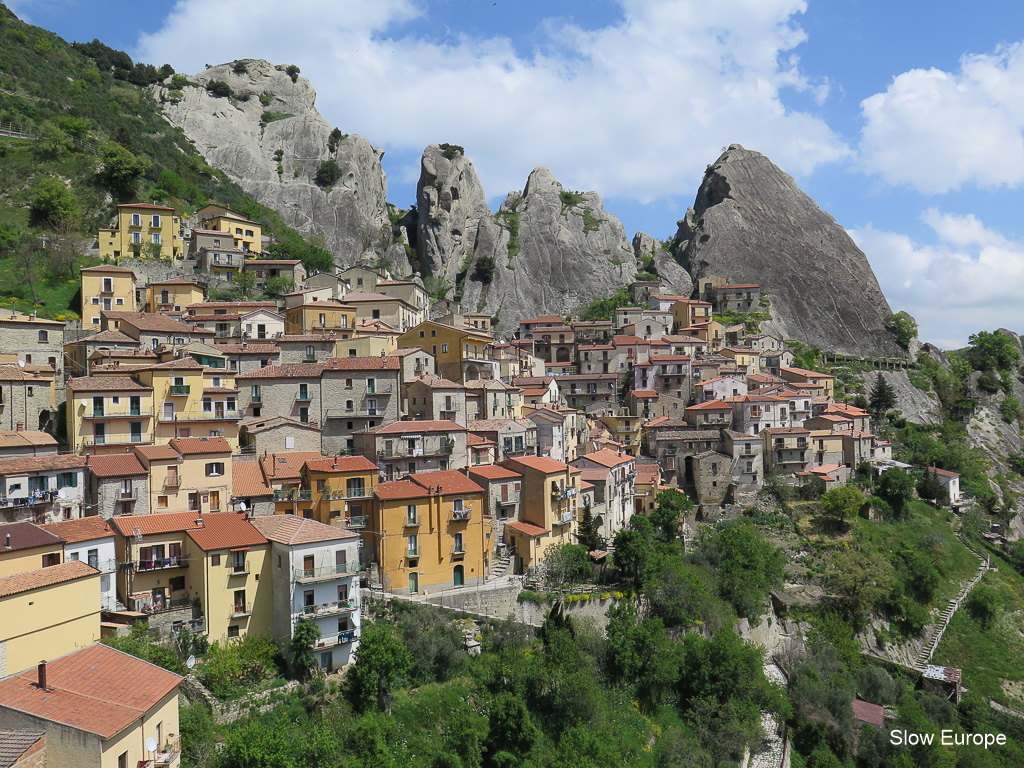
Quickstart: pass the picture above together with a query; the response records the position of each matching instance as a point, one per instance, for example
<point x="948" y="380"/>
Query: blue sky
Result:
<point x="905" y="121"/>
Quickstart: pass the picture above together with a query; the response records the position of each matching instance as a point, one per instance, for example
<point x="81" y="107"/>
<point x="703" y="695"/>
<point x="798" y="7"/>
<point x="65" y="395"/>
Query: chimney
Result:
<point x="42" y="674"/>
<point x="20" y="427"/>
<point x="7" y="543"/>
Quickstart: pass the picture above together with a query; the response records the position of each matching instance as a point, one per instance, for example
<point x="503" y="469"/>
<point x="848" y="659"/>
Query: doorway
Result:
<point x="414" y="582"/>
<point x="459" y="575"/>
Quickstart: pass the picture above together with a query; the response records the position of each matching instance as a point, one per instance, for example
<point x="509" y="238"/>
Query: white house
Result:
<point x="91" y="540"/>
<point x="951" y="482"/>
<point x="720" y="388"/>
<point x="41" y="489"/>
<point x="315" y="572"/>
<point x="612" y="476"/>
<point x="261" y="324"/>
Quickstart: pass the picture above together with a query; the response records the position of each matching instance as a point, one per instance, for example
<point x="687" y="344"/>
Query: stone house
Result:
<point x="306" y="348"/>
<point x="413" y="362"/>
<point x="117" y="484"/>
<point x="513" y="437"/>
<point x="745" y="297"/>
<point x="291" y="270"/>
<point x="586" y="390"/>
<point x="42" y="489"/>
<point x="720" y="388"/>
<point x="786" y="450"/>
<point x="710" y="415"/>
<point x="248" y="357"/>
<point x="154" y="330"/>
<point x="250" y="490"/>
<point x="26" y="399"/>
<point x="747" y="459"/>
<point x="411" y="447"/>
<point x="752" y="413"/>
<point x="291" y="390"/>
<point x="276" y="434"/>
<point x="26" y="442"/>
<point x="613" y="476"/>
<point x="493" y="399"/>
<point x="358" y="393"/>
<point x="431" y="398"/>
<point x="502" y="490"/>
<point x="33" y="340"/>
<point x="712" y="478"/>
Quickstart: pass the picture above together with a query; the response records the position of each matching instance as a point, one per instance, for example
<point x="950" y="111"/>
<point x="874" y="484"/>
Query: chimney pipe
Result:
<point x="8" y="542"/>
<point x="42" y="674"/>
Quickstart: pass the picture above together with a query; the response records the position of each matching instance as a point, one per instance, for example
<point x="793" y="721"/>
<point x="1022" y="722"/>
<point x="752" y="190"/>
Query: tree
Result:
<point x="26" y="257"/>
<point x="587" y="530"/>
<point x="54" y="204"/>
<point x="896" y="488"/>
<point x="905" y="327"/>
<point x="483" y="271"/>
<point x="883" y="396"/>
<point x="749" y="567"/>
<point x="65" y="246"/>
<point x="381" y="661"/>
<point x="334" y="139"/>
<point x="842" y="503"/>
<point x="634" y="547"/>
<point x="244" y="281"/>
<point x="930" y="488"/>
<point x="219" y="88"/>
<point x="120" y="170"/>
<point x="278" y="286"/>
<point x="565" y="564"/>
<point x="1009" y="409"/>
<point x="304" y="636"/>
<point x="992" y="351"/>
<point x="510" y="728"/>
<point x="293" y="72"/>
<point x="669" y="508"/>
<point x="983" y="605"/>
<point x="862" y="579"/>
<point x="327" y="173"/>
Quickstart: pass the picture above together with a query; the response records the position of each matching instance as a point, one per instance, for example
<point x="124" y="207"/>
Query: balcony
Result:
<point x="241" y="569"/>
<point x="167" y="753"/>
<point x="115" y="413"/>
<point x="216" y="415"/>
<point x="129" y="439"/>
<point x="160" y="564"/>
<point x="564" y="519"/>
<point x="339" y="638"/>
<point x="345" y="493"/>
<point x="385" y="388"/>
<point x="356" y="521"/>
<point x="256" y="399"/>
<point x="303" y="397"/>
<point x="180" y="390"/>
<point x="458" y="550"/>
<point x="335" y="608"/>
<point x="306" y="575"/>
<point x="412" y="552"/>
<point x="412" y="522"/>
<point x="509" y="498"/>
<point x="461" y="515"/>
<point x="172" y="481"/>
<point x="240" y="611"/>
<point x="561" y="494"/>
<point x="293" y="494"/>
<point x="405" y="453"/>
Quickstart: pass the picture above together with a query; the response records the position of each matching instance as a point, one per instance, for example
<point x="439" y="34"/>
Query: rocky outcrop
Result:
<point x="659" y="260"/>
<point x="267" y="114"/>
<point x="918" y="406"/>
<point x="751" y="223"/>
<point x="555" y="251"/>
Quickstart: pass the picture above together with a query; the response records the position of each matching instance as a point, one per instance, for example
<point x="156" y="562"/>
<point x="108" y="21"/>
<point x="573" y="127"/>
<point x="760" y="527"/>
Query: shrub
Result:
<point x="269" y="117"/>
<point x="451" y="151"/>
<point x="1009" y="409"/>
<point x="293" y="72"/>
<point x="484" y="269"/>
<point x="54" y="203"/>
<point x="239" y="68"/>
<point x="266" y="98"/>
<point x="219" y="88"/>
<point x="327" y="173"/>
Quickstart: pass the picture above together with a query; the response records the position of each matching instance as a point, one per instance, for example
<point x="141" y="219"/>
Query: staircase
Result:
<point x="925" y="656"/>
<point x="500" y="567"/>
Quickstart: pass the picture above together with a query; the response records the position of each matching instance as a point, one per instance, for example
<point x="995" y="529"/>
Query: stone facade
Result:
<point x="358" y="393"/>
<point x="108" y="495"/>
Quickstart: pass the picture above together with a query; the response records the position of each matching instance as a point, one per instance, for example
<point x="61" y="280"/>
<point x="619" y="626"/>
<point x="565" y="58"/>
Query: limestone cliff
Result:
<point x="751" y="223"/>
<point x="546" y="250"/>
<point x="268" y="114"/>
<point x="660" y="261"/>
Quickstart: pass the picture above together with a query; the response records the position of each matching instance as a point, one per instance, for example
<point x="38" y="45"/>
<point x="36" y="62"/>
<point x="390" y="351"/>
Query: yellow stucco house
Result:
<point x="98" y="707"/>
<point x="320" y="317"/>
<point x="247" y="234"/>
<point x="106" y="414"/>
<point x="339" y="490"/>
<point x="429" y="532"/>
<point x="189" y="473"/>
<point x="143" y="230"/>
<point x="26" y="547"/>
<point x="212" y="568"/>
<point x="173" y="295"/>
<point x="192" y="400"/>
<point x="549" y="508"/>
<point x="105" y="288"/>
<point x="462" y="354"/>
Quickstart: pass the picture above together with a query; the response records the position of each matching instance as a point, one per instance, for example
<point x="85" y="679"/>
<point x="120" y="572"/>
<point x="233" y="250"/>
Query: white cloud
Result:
<point x="937" y="131"/>
<point x="637" y="107"/>
<point x="966" y="281"/>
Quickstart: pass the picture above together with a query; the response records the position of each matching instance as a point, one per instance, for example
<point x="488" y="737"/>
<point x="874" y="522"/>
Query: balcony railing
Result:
<point x="240" y="569"/>
<point x="561" y="494"/>
<point x="510" y="498"/>
<point x="180" y="389"/>
<point x="412" y="522"/>
<point x="461" y="515"/>
<point x="172" y="481"/>
<point x="160" y="564"/>
<point x="458" y="551"/>
<point x="293" y="494"/>
<point x="412" y="552"/>
<point x="339" y="638"/>
<point x="361" y="492"/>
<point x="256" y="399"/>
<point x="325" y="572"/>
<point x="356" y="521"/>
<point x="328" y="609"/>
<point x="564" y="519"/>
<point x="380" y="389"/>
<point x="114" y="413"/>
<point x="167" y="753"/>
<point x="240" y="610"/>
<point x="113" y="439"/>
<point x="405" y="453"/>
<point x="224" y="414"/>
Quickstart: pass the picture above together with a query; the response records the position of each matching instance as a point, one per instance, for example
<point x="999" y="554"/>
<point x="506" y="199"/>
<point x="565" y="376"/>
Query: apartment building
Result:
<point x="116" y="484"/>
<point x="358" y="393"/>
<point x="91" y="540"/>
<point x="411" y="447"/>
<point x="107" y="414"/>
<point x="42" y="489"/>
<point x="105" y="288"/>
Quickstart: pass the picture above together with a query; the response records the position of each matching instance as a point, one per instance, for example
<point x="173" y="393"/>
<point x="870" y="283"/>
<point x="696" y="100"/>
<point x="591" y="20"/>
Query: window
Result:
<point x="193" y="502"/>
<point x="232" y="632"/>
<point x="215" y="469"/>
<point x="459" y="548"/>
<point x="122" y="759"/>
<point x="156" y="238"/>
<point x="444" y="348"/>
<point x="410" y="514"/>
<point x="414" y="548"/>
<point x="238" y="562"/>
<point x="161" y="502"/>
<point x="215" y="560"/>
<point x="43" y="336"/>
<point x="136" y="237"/>
<point x="94" y="558"/>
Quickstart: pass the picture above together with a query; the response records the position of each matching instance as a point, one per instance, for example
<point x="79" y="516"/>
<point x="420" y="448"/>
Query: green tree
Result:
<point x="588" y="532"/>
<point x="327" y="173"/>
<point x="381" y="661"/>
<point x="634" y="547"/>
<point x="483" y="270"/>
<point x="333" y="140"/>
<point x="1009" y="409"/>
<point x="27" y="256"/>
<point x="566" y="564"/>
<point x="278" y="286"/>
<point x="862" y="579"/>
<point x="992" y="351"/>
<point x="219" y="88"/>
<point x="905" y="327"/>
<point x="510" y="727"/>
<point x="749" y="567"/>
<point x="53" y="204"/>
<point x="669" y="507"/>
<point x="896" y="488"/>
<point x="983" y="605"/>
<point x="842" y="503"/>
<point x="244" y="282"/>
<point x="930" y="488"/>
<point x="304" y="637"/>
<point x="883" y="397"/>
<point x="293" y="72"/>
<point x="120" y="170"/>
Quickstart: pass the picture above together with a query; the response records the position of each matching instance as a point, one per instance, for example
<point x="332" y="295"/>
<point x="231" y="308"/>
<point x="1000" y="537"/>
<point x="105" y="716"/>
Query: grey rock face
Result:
<point x="553" y="252"/>
<point x="351" y="216"/>
<point x="751" y="223"/>
<point x="676" y="279"/>
<point x="455" y="221"/>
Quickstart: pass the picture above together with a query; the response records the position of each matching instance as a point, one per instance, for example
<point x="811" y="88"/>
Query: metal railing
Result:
<point x="345" y="493"/>
<point x="458" y="551"/>
<point x="461" y="515"/>
<point x="380" y="389"/>
<point x="113" y="439"/>
<point x="240" y="610"/>
<point x="561" y="494"/>
<point x="356" y="521"/>
<point x="239" y="569"/>
<point x="217" y="415"/>
<point x="256" y="399"/>
<point x="172" y="482"/>
<point x="405" y="453"/>
<point x="180" y="389"/>
<point x="338" y="638"/>
<point x="412" y="552"/>
<point x="325" y="572"/>
<point x="160" y="564"/>
<point x="412" y="522"/>
<point x="113" y="413"/>
<point x="564" y="519"/>
<point x="293" y="494"/>
<point x="328" y="609"/>
<point x="166" y="753"/>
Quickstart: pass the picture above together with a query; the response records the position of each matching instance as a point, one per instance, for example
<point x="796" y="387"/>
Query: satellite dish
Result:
<point x="190" y="662"/>
<point x="151" y="744"/>
<point x="21" y="363"/>
<point x="242" y="506"/>
<point x="61" y="493"/>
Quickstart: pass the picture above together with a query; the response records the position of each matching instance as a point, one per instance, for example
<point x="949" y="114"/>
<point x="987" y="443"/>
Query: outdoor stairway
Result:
<point x="925" y="656"/>
<point x="500" y="567"/>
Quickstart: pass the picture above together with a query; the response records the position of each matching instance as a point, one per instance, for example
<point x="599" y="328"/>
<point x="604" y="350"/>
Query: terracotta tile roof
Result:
<point x="198" y="446"/>
<point x="446" y="481"/>
<point x="306" y="337"/>
<point x="534" y="392"/>
<point x="106" y="384"/>
<point x="539" y="463"/>
<point x="156" y="452"/>
<point x="279" y="262"/>
<point x="529" y="529"/>
<point x="415" y="427"/>
<point x="666" y="422"/>
<point x="849" y="410"/>
<point x="494" y="472"/>
<point x="178" y="281"/>
<point x="620" y="341"/>
<point x="247" y="349"/>
<point x="247" y="480"/>
<point x="96" y="689"/>
<point x="232" y="305"/>
<point x="787" y="431"/>
<point x="154" y="321"/>
<point x="608" y="458"/>
<point x="399" y="489"/>
<point x="341" y="464"/>
<point x="157" y="523"/>
<point x="477" y="440"/>
<point x="225" y="531"/>
<point x="287" y="465"/>
<point x="362" y="364"/>
<point x="710" y="405"/>
<point x="116" y="465"/>
<point x="25" y="535"/>
<point x="107" y="268"/>
<point x="47" y="463"/>
<point x="645" y="393"/>
<point x="872" y="714"/>
<point x="82" y="529"/>
<point x="808" y="374"/>
<point x="45" y="577"/>
<point x="14" y="745"/>
<point x="436" y="382"/>
<point x="541" y="319"/>
<point x="107" y="337"/>
<point x="187" y="363"/>
<point x="18" y="438"/>
<point x="285" y="371"/>
<point x="290" y="530"/>
<point x="595" y="475"/>
<point x="942" y="472"/>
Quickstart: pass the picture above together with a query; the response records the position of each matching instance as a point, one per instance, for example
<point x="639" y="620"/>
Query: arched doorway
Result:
<point x="459" y="575"/>
<point x="414" y="582"/>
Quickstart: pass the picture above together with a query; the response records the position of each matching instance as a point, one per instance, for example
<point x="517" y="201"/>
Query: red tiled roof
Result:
<point x="399" y="489"/>
<point x="147" y="206"/>
<point x="107" y="268"/>
<point x="787" y="431"/>
<point x="942" y="472"/>
<point x="341" y="464"/>
<point x="528" y="528"/>
<point x="198" y="446"/>
<point x="539" y="463"/>
<point x="161" y="522"/>
<point x="494" y="472"/>
<point x="224" y="531"/>
<point x="447" y="482"/>
<point x="116" y="465"/>
<point x="608" y="458"/>
<point x="643" y="393"/>
<point x="25" y="535"/>
<point x="386" y="363"/>
<point x="44" y="577"/>
<point x="710" y="405"/>
<point x="872" y="714"/>
<point x="96" y="689"/>
<point x="290" y="530"/>
<point x="105" y="384"/>
<point x="287" y="465"/>
<point x="156" y="452"/>
<point x="414" y="427"/>
<point x="247" y="480"/>
<point x="45" y="463"/>
<point x="82" y="529"/>
<point x="805" y="372"/>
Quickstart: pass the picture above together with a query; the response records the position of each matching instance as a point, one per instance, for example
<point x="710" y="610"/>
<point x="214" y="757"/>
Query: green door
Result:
<point x="459" y="576"/>
<point x="414" y="582"/>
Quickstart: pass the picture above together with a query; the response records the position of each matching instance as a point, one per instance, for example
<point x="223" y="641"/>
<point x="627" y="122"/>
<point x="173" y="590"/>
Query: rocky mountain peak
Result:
<point x="751" y="223"/>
